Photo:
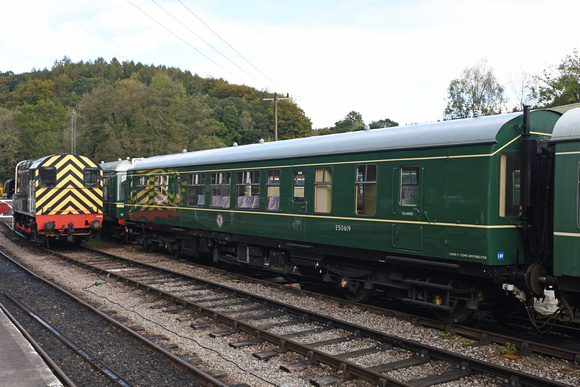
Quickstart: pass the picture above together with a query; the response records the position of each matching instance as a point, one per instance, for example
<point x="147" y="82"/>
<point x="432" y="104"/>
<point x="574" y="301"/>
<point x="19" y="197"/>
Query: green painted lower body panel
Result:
<point x="444" y="241"/>
<point x="567" y="255"/>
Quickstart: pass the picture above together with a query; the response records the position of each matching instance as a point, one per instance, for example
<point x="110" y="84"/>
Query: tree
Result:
<point x="131" y="109"/>
<point x="9" y="144"/>
<point x="476" y="91"/>
<point x="560" y="86"/>
<point x="248" y="125"/>
<point x="33" y="91"/>
<point x="353" y="121"/>
<point x="162" y="114"/>
<point x="41" y="129"/>
<point x="522" y="87"/>
<point x="199" y="126"/>
<point x="386" y="123"/>
<point x="292" y="121"/>
<point x="131" y="119"/>
<point x="106" y="125"/>
<point x="230" y="119"/>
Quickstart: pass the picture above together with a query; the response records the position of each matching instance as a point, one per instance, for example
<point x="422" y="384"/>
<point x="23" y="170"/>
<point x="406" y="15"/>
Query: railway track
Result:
<point x="524" y="346"/>
<point x="318" y="339"/>
<point x="49" y="361"/>
<point x="91" y="360"/>
<point x="89" y="338"/>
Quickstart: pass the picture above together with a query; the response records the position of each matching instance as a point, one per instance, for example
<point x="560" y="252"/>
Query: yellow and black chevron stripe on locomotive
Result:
<point x="76" y="190"/>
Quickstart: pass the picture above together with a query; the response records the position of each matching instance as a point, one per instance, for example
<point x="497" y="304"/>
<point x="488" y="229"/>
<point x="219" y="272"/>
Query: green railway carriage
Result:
<point x="438" y="215"/>
<point x="58" y="197"/>
<point x="114" y="178"/>
<point x="567" y="199"/>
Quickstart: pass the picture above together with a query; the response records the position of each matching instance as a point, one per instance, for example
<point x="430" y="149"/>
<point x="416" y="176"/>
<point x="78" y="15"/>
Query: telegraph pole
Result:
<point x="275" y="99"/>
<point x="73" y="131"/>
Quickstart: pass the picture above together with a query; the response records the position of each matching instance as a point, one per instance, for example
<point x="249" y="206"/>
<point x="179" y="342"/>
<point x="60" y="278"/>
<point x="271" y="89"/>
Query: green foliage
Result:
<point x="560" y="86"/>
<point x="33" y="91"/>
<point x="292" y="122"/>
<point x="476" y="91"/>
<point x="40" y="128"/>
<point x="9" y="144"/>
<point x="352" y="122"/>
<point x="466" y="341"/>
<point x="445" y="335"/>
<point x="507" y="349"/>
<point x="131" y="109"/>
<point x="386" y="123"/>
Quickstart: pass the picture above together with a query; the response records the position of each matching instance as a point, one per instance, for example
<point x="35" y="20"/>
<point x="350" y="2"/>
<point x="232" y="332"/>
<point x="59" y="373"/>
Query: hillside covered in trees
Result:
<point x="131" y="109"/>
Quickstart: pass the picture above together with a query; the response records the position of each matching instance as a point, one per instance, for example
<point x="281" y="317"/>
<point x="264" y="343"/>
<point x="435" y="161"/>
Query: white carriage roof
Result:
<point x="567" y="127"/>
<point x="457" y="132"/>
<point x="119" y="165"/>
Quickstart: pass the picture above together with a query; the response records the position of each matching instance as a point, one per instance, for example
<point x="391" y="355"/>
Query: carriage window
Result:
<point x="196" y="190"/>
<point x="273" y="188"/>
<point x="47" y="177"/>
<point x="248" y="190"/>
<point x="142" y="182"/>
<point x="409" y="185"/>
<point x="509" y="185"/>
<point x="323" y="189"/>
<point x="160" y="189"/>
<point x="298" y="186"/>
<point x="220" y="189"/>
<point x="366" y="189"/>
<point x="91" y="176"/>
<point x="142" y="192"/>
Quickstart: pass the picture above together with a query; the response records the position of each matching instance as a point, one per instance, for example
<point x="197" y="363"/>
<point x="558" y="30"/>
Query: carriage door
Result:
<point x="407" y="229"/>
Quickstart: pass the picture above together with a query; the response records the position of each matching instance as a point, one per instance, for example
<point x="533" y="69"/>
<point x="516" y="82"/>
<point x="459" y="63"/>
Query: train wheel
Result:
<point x="456" y="315"/>
<point x="356" y="292"/>
<point x="150" y="247"/>
<point x="175" y="250"/>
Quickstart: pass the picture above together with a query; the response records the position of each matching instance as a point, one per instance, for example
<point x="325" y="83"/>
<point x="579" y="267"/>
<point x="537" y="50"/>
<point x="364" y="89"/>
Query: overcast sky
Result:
<point x="381" y="58"/>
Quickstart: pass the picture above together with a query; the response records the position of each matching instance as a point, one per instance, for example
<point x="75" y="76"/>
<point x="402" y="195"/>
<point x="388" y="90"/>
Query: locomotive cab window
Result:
<point x="509" y="185"/>
<point x="323" y="190"/>
<point x="248" y="190"/>
<point x="273" y="189"/>
<point x="299" y="179"/>
<point x="196" y="189"/>
<point x="220" y="189"/>
<point x="23" y="181"/>
<point x="47" y="177"/>
<point x="91" y="176"/>
<point x="365" y="189"/>
<point x="410" y="185"/>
